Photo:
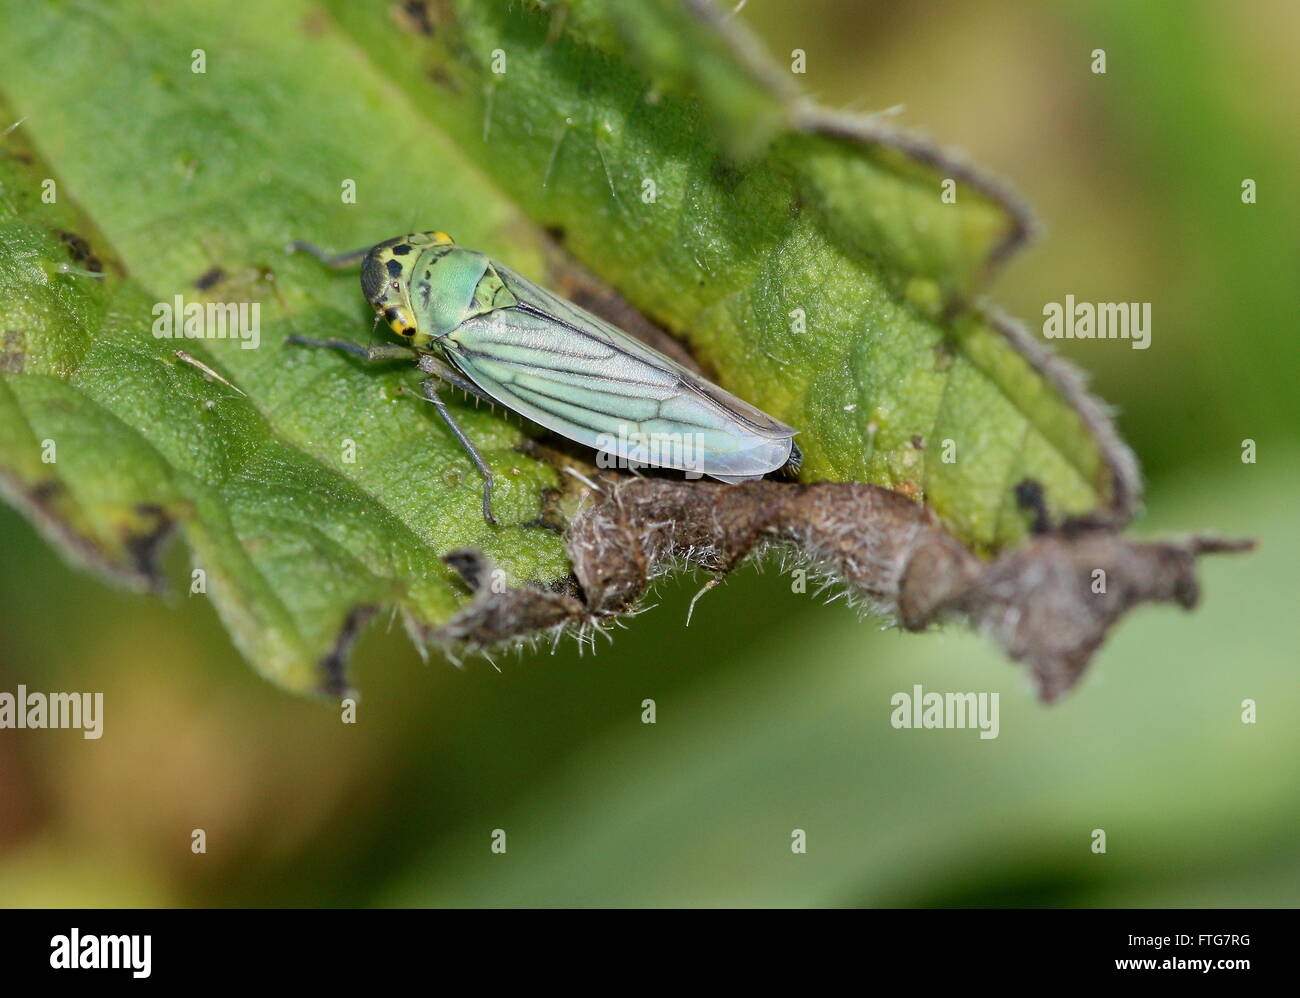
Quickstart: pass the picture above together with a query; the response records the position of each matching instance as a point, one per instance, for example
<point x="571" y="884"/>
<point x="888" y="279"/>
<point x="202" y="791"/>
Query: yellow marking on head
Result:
<point x="386" y="278"/>
<point x="399" y="320"/>
<point x="428" y="239"/>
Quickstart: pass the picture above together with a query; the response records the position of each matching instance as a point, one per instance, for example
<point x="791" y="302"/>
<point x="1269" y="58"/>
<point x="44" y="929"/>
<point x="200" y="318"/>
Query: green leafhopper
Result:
<point x="475" y="324"/>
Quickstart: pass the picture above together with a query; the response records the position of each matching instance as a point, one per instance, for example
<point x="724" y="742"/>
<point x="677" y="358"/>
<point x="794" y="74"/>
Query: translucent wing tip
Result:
<point x="754" y="418"/>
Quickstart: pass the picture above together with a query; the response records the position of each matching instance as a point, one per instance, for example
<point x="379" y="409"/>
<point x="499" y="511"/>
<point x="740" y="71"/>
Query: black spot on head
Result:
<point x="394" y="268"/>
<point x="401" y="249"/>
<point x="372" y="278"/>
<point x="390" y="314"/>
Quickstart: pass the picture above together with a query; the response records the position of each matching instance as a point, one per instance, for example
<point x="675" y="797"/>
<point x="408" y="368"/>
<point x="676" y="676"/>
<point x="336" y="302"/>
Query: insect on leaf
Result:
<point x="804" y="256"/>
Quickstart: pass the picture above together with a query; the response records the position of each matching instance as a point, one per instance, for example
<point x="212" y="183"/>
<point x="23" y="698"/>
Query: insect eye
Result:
<point x="396" y="285"/>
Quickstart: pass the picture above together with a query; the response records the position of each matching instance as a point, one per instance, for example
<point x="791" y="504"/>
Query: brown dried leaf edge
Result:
<point x="1039" y="602"/>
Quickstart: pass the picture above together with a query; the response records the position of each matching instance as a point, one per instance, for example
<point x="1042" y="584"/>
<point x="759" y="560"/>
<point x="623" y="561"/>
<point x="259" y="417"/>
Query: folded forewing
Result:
<point x="577" y="375"/>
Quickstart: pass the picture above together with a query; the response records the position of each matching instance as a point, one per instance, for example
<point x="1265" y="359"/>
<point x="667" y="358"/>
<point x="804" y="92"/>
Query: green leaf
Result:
<point x="108" y="439"/>
<point x="764" y="207"/>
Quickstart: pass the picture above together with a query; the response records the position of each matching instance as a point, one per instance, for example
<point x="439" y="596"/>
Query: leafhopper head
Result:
<point x="387" y="277"/>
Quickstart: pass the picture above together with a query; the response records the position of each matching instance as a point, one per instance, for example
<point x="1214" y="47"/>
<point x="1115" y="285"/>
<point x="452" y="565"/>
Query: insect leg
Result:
<point x="432" y="365"/>
<point x="340" y="261"/>
<point x="430" y="389"/>
<point x="385" y="351"/>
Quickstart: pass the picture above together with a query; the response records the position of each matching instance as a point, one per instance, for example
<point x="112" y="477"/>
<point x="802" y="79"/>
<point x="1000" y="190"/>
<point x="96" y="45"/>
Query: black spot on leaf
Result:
<point x="82" y="254"/>
<point x="209" y="279"/>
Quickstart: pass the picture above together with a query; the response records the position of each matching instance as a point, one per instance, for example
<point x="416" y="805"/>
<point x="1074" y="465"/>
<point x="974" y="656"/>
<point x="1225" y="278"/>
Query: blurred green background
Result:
<point x="773" y="710"/>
